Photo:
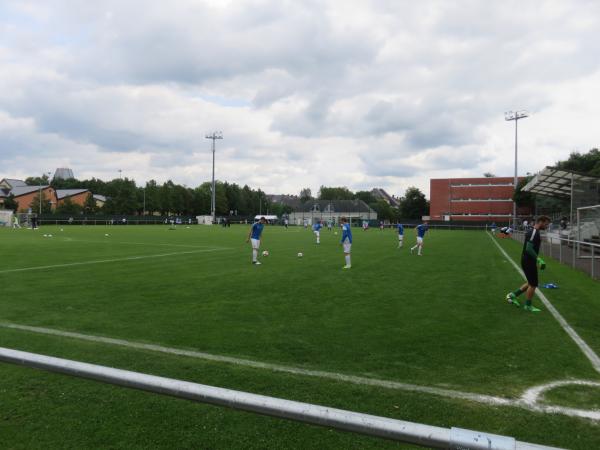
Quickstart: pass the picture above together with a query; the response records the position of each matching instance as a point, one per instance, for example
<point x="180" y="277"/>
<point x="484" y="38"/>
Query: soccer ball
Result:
<point x="265" y="253"/>
<point x="335" y="232"/>
<point x="300" y="255"/>
<point x="106" y="235"/>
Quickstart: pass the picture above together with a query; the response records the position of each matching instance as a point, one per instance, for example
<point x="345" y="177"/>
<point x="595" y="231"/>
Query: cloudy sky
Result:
<point x="385" y="93"/>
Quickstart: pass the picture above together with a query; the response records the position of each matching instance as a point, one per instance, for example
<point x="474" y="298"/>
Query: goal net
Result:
<point x="6" y="218"/>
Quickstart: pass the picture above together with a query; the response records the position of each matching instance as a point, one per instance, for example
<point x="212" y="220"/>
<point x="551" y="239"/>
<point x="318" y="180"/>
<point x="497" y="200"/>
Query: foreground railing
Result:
<point x="580" y="255"/>
<point x="398" y="430"/>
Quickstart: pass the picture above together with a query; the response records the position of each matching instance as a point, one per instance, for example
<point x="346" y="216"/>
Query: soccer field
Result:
<point x="426" y="339"/>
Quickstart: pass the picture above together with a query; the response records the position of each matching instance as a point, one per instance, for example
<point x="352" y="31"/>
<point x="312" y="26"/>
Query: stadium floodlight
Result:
<point x="516" y="116"/>
<point x="214" y="136"/>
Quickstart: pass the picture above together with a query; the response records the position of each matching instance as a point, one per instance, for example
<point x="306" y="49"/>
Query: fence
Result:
<point x="579" y="255"/>
<point x="382" y="427"/>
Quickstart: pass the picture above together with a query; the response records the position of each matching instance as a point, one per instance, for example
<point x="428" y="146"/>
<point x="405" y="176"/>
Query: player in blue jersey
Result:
<point x="400" y="235"/>
<point x="346" y="241"/>
<point x="421" y="230"/>
<point x="254" y="237"/>
<point x="317" y="230"/>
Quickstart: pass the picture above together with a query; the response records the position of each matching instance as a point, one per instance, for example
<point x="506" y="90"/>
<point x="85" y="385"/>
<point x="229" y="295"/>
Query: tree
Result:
<point x="122" y="197"/>
<point x="335" y="193"/>
<point x="586" y="163"/>
<point x="46" y="205"/>
<point x="68" y="208"/>
<point x="305" y="195"/>
<point x="385" y="211"/>
<point x="413" y="205"/>
<point x="365" y="196"/>
<point x="522" y="198"/>
<point x="489" y="175"/>
<point x="89" y="206"/>
<point x="37" y="181"/>
<point x="10" y="203"/>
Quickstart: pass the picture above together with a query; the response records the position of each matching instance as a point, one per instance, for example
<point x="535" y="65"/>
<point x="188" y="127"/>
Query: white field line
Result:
<point x="585" y="348"/>
<point x="148" y="244"/>
<point x="529" y="402"/>
<point x="103" y="261"/>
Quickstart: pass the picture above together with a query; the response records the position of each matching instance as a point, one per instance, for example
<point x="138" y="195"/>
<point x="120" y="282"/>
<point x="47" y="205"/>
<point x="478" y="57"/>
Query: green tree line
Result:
<point x="125" y="197"/>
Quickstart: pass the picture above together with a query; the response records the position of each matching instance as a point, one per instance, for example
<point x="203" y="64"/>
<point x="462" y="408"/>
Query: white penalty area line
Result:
<point x="103" y="261"/>
<point x="529" y="400"/>
<point x="584" y="347"/>
<point x="147" y="244"/>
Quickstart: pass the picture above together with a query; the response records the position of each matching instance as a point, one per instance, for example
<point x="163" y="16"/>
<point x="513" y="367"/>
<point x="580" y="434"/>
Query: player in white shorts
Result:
<point x="346" y="241"/>
<point x="254" y="237"/>
<point x="400" y="235"/>
<point x="317" y="230"/>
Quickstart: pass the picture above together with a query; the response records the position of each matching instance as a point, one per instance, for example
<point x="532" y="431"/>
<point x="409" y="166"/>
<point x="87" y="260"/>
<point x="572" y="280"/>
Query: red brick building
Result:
<point x="77" y="196"/>
<point x="24" y="195"/>
<point x="474" y="199"/>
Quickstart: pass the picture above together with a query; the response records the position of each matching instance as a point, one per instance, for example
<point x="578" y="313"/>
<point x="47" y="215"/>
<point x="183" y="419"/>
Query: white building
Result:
<point x="332" y="210"/>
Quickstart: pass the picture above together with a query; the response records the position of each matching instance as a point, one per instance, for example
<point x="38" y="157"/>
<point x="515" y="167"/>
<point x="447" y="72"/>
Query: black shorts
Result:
<point x="530" y="269"/>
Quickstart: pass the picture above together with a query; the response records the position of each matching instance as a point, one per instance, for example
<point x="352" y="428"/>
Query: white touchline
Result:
<point x="148" y="244"/>
<point x="585" y="348"/>
<point x="527" y="401"/>
<point x="102" y="261"/>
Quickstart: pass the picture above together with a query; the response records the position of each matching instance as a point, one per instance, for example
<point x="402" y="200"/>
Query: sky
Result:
<point x="362" y="94"/>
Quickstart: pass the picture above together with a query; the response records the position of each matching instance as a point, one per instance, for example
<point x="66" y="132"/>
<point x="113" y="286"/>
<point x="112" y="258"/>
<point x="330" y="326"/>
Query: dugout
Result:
<point x="582" y="192"/>
<point x="580" y="189"/>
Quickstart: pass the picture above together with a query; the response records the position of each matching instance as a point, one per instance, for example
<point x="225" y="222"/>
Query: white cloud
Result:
<point x="352" y="93"/>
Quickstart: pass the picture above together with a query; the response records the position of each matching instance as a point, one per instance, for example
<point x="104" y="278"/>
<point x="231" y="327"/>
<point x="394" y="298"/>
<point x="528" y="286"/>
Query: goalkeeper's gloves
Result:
<point x="541" y="263"/>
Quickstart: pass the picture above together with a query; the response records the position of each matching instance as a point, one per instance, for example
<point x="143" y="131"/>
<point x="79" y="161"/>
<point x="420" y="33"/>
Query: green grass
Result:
<point x="574" y="396"/>
<point x="437" y="320"/>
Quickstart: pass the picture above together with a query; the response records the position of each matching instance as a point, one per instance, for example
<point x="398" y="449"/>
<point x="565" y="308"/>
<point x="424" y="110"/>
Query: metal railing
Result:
<point x="382" y="427"/>
<point x="579" y="255"/>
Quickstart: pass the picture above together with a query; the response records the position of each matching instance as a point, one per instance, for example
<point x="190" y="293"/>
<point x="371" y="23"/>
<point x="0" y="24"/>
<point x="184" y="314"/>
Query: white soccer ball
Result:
<point x="62" y="229"/>
<point x="106" y="235"/>
<point x="335" y="232"/>
<point x="300" y="255"/>
<point x="265" y="253"/>
<point x="49" y="235"/>
<point x="45" y="235"/>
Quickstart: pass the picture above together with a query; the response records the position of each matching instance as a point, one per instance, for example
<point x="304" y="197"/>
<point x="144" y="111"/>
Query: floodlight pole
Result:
<point x="214" y="136"/>
<point x="508" y="116"/>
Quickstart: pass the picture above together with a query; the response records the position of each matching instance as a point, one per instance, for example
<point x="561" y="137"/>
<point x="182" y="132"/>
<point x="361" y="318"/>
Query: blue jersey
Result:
<point x="346" y="233"/>
<point x="317" y="226"/>
<point x="400" y="229"/>
<point x="421" y="230"/>
<point x="257" y="229"/>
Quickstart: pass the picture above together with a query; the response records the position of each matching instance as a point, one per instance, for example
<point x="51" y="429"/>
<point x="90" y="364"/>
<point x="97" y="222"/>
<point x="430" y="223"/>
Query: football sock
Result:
<point x="420" y="250"/>
<point x="517" y="292"/>
<point x="347" y="260"/>
<point x="254" y="254"/>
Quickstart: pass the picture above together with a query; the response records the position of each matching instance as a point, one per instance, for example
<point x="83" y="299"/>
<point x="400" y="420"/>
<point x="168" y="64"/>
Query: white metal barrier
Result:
<point x="569" y="251"/>
<point x="398" y="430"/>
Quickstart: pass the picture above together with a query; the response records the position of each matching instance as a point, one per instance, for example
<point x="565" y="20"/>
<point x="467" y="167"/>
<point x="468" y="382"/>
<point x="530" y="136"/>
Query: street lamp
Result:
<point x="508" y="116"/>
<point x="214" y="136"/>
<point x="120" y="174"/>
